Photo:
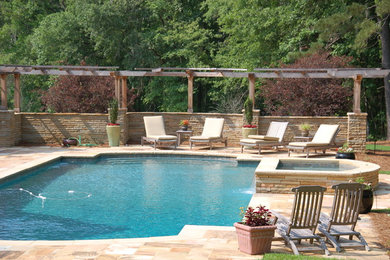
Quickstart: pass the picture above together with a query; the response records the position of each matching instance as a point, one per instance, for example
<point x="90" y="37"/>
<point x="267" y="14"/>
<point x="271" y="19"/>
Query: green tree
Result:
<point x="362" y="27"/>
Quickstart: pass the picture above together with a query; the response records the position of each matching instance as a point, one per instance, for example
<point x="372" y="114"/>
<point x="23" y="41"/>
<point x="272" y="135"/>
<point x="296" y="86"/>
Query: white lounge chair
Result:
<point x="324" y="138"/>
<point x="155" y="132"/>
<point x="273" y="138"/>
<point x="212" y="132"/>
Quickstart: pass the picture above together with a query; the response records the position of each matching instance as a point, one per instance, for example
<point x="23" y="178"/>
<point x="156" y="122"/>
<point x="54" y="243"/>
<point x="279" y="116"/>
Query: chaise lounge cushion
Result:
<point x="163" y="137"/>
<point x="308" y="144"/>
<point x="258" y="141"/>
<point x="263" y="137"/>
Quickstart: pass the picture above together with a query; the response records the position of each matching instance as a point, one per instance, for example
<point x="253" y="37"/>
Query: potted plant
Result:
<point x="113" y="129"/>
<point x="367" y="198"/>
<point x="248" y="129"/>
<point x="184" y="124"/>
<point x="305" y="128"/>
<point x="345" y="152"/>
<point x="255" y="232"/>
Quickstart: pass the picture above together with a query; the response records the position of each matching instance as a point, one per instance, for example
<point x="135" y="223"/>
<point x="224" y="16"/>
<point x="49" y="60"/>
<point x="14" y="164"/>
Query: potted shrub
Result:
<point x="367" y="198"/>
<point x="255" y="232"/>
<point x="184" y="124"/>
<point x="305" y="128"/>
<point x="345" y="152"/>
<point x="113" y="129"/>
<point x="248" y="129"/>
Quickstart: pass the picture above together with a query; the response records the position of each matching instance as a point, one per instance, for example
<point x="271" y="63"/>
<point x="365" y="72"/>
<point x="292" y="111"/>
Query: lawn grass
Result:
<point x="377" y="147"/>
<point x="274" y="256"/>
<point x="384" y="172"/>
<point x="387" y="211"/>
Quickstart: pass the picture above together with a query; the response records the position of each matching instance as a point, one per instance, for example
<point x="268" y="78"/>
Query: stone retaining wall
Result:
<point x="51" y="128"/>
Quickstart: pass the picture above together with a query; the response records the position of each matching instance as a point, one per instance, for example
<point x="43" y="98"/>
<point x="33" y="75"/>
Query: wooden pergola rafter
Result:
<point x="357" y="74"/>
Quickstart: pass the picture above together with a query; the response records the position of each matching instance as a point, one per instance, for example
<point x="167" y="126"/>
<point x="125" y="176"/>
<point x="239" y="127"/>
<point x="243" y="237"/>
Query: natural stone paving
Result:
<point x="193" y="242"/>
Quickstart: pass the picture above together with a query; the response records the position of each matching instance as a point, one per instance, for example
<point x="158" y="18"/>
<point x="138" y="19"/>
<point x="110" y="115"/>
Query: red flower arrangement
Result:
<point x="249" y="126"/>
<point x="259" y="216"/>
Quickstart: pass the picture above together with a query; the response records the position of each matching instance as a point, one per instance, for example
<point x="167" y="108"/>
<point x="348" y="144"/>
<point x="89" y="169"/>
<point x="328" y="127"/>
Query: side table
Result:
<point x="179" y="134"/>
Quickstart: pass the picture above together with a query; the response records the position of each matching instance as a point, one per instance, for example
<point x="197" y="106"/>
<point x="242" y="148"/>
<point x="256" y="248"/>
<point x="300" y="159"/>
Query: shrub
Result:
<point x="83" y="94"/>
<point x="309" y="97"/>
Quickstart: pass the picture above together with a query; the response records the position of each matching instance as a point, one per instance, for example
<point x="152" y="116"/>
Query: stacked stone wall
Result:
<point x="48" y="128"/>
<point x="357" y="131"/>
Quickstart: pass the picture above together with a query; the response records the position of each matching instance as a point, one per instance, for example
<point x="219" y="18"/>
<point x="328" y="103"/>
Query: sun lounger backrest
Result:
<point x="277" y="129"/>
<point x="154" y="125"/>
<point x="325" y="134"/>
<point x="346" y="203"/>
<point x="213" y="127"/>
<point x="307" y="206"/>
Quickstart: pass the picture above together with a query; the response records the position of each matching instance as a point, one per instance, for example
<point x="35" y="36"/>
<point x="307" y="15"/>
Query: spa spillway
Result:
<point x="280" y="175"/>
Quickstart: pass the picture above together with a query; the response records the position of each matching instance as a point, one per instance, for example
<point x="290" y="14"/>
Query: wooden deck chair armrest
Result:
<point x="280" y="217"/>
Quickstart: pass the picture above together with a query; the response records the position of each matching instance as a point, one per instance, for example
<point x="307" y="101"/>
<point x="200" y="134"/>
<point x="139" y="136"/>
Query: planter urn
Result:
<point x="113" y="134"/>
<point x="367" y="201"/>
<point x="350" y="156"/>
<point x="248" y="131"/>
<point x="254" y="240"/>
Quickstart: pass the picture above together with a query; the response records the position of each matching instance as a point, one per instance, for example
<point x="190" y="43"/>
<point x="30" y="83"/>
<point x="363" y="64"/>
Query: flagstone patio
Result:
<point x="193" y="242"/>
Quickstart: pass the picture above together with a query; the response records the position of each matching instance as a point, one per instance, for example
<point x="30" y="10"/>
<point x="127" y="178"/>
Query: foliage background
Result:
<point x="193" y="33"/>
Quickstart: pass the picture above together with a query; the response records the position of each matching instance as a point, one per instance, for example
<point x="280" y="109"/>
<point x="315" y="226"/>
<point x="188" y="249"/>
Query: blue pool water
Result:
<point x="123" y="197"/>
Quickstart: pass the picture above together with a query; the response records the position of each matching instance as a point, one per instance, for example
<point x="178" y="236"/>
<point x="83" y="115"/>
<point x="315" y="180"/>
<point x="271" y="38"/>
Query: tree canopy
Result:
<point x="196" y="33"/>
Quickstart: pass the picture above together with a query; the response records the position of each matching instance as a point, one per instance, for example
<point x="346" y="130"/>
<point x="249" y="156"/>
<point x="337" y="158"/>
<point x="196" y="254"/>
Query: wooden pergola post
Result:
<point x="124" y="92"/>
<point x="357" y="84"/>
<point x="3" y="91"/>
<point x="118" y="89"/>
<point x="17" y="93"/>
<point x="252" y="82"/>
<point x="190" y="78"/>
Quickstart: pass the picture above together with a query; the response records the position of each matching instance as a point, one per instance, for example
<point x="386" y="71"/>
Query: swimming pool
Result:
<point x="123" y="197"/>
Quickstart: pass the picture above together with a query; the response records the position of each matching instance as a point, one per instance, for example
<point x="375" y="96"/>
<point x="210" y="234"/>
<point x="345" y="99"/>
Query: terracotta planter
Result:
<point x="367" y="201"/>
<point x="350" y="156"/>
<point x="248" y="131"/>
<point x="254" y="240"/>
<point x="69" y="141"/>
<point x="113" y="134"/>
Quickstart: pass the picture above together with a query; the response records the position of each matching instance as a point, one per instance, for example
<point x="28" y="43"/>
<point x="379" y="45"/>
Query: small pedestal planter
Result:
<point x="254" y="240"/>
<point x="113" y="134"/>
<point x="248" y="131"/>
<point x="350" y="156"/>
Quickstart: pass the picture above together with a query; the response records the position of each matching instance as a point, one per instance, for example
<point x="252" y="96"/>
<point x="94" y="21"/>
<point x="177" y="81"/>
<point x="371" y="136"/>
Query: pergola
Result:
<point x="120" y="77"/>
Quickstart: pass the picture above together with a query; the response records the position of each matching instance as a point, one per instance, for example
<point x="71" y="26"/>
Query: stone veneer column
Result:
<point x="357" y="131"/>
<point x="8" y="129"/>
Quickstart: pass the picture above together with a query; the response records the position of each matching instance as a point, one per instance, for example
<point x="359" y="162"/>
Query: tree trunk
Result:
<point x="385" y="39"/>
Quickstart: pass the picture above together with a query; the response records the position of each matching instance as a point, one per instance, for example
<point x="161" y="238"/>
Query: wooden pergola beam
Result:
<point x="252" y="83"/>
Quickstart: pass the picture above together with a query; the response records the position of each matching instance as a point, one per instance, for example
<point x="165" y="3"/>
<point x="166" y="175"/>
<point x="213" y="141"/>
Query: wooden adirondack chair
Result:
<point x="343" y="216"/>
<point x="304" y="219"/>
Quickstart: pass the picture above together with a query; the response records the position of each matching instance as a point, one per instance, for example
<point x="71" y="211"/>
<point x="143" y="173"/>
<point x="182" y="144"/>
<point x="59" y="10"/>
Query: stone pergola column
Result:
<point x="357" y="131"/>
<point x="17" y="93"/>
<point x="190" y="78"/>
<point x="3" y="90"/>
<point x="357" y="85"/>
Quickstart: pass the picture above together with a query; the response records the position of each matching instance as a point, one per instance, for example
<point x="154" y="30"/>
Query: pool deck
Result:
<point x="193" y="242"/>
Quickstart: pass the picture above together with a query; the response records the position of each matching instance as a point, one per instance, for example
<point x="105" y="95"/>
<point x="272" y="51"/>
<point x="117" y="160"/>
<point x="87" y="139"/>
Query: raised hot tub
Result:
<point x="280" y="175"/>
